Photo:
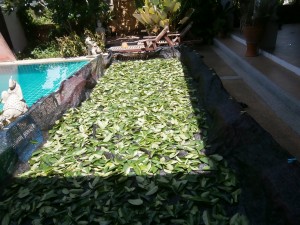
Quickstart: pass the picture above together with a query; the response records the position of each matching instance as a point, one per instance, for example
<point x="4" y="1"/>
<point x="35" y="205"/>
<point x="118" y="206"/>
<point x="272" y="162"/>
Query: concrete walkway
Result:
<point x="269" y="88"/>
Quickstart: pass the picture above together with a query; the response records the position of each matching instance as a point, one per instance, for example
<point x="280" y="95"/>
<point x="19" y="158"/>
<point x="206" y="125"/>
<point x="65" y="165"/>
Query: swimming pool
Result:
<point x="38" y="80"/>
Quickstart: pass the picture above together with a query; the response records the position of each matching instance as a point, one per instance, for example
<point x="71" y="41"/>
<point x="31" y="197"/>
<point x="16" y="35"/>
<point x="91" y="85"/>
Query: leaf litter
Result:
<point x="131" y="154"/>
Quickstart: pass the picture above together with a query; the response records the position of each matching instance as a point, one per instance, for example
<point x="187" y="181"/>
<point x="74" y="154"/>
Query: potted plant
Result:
<point x="255" y="16"/>
<point x="269" y="37"/>
<point x="223" y="23"/>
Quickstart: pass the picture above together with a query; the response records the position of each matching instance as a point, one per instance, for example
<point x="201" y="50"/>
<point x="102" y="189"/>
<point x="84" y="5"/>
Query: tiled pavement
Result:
<point x="269" y="84"/>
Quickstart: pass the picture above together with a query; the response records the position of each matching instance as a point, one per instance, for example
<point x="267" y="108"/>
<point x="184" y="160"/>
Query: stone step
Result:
<point x="232" y="77"/>
<point x="278" y="86"/>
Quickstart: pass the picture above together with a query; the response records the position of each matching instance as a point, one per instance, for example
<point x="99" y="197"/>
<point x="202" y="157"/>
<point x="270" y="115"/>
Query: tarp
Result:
<point x="22" y="137"/>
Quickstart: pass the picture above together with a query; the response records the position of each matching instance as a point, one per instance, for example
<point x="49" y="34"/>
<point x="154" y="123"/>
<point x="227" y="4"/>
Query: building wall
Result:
<point x="16" y="31"/>
<point x="6" y="54"/>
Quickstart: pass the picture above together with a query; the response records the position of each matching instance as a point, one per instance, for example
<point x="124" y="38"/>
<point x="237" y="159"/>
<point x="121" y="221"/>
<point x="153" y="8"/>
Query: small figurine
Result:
<point x="14" y="103"/>
<point x="100" y="31"/>
<point x="93" y="48"/>
<point x="14" y="88"/>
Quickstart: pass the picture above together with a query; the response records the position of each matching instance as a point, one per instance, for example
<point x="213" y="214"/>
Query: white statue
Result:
<point x="93" y="48"/>
<point x="14" y="88"/>
<point x="14" y="104"/>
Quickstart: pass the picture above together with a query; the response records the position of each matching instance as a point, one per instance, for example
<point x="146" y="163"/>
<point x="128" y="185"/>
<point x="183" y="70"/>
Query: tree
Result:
<point x="69" y="15"/>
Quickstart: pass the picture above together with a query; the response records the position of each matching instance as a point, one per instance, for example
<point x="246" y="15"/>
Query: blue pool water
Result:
<point x="38" y="80"/>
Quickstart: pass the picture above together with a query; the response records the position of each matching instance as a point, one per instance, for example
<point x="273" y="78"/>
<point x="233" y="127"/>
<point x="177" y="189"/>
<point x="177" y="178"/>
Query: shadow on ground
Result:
<point x="269" y="183"/>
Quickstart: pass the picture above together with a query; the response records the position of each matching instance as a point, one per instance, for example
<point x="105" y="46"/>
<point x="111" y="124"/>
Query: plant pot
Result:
<point x="269" y="37"/>
<point x="252" y="35"/>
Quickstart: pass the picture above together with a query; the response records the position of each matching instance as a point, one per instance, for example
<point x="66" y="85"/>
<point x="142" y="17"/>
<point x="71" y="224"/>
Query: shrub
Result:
<point x="50" y="50"/>
<point x="70" y="15"/>
<point x="71" y="46"/>
<point x="157" y="13"/>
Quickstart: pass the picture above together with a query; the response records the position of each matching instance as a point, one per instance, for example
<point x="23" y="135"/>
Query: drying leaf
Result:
<point x="152" y="191"/>
<point x="131" y="152"/>
<point x="135" y="201"/>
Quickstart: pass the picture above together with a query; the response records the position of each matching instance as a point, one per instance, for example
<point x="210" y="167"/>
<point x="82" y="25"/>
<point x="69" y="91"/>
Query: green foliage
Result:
<point x="64" y="21"/>
<point x="157" y="13"/>
<point x="77" y="15"/>
<point x="49" y="50"/>
<point x="67" y="46"/>
<point x="32" y="22"/>
<point x="71" y="45"/>
<point x="239" y="219"/>
<point x="39" y="17"/>
<point x="70" y="15"/>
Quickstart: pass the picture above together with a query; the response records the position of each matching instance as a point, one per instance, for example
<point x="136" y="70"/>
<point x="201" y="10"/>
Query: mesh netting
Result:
<point x="19" y="139"/>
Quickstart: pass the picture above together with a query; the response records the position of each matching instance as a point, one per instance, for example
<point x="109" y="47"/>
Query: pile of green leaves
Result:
<point x="131" y="154"/>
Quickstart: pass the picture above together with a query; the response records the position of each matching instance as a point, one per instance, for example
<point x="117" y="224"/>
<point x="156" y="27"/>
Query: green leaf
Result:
<point x="137" y="170"/>
<point x="204" y="159"/>
<point x="65" y="191"/>
<point x="95" y="181"/>
<point x="238" y="219"/>
<point x="178" y="221"/>
<point x="23" y="192"/>
<point x="6" y="219"/>
<point x="37" y="222"/>
<point x="152" y="191"/>
<point x="140" y="179"/>
<point x="108" y="137"/>
<point x="135" y="201"/>
<point x="205" y="218"/>
<point x="216" y="157"/>
<point x="170" y="167"/>
<point x="48" y="195"/>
